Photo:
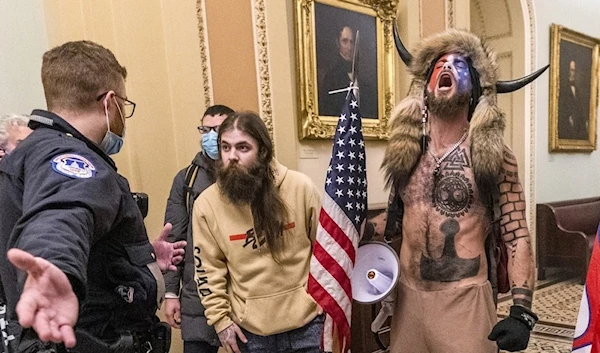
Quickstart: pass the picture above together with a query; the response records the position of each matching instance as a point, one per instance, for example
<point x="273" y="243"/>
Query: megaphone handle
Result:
<point x="379" y="320"/>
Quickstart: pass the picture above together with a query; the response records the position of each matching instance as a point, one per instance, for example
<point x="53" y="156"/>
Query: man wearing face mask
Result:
<point x="77" y="268"/>
<point x="182" y="304"/>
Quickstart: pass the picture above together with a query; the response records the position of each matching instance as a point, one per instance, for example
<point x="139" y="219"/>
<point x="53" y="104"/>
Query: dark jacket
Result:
<point x="193" y="322"/>
<point x="63" y="200"/>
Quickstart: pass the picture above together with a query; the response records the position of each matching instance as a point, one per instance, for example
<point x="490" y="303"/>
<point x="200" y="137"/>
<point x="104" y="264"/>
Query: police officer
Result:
<point x="78" y="249"/>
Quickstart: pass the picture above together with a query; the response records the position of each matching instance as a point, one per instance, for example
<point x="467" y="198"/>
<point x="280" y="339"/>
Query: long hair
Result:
<point x="269" y="211"/>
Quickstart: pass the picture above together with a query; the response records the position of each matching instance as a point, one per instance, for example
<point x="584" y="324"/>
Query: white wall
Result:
<point x="561" y="176"/>
<point x="23" y="41"/>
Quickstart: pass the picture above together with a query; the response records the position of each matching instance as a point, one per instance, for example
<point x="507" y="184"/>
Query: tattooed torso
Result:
<point x="445" y="225"/>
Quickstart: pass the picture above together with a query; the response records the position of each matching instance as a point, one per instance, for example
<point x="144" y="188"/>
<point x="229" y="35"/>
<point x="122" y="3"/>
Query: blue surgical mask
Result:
<point x="209" y="145"/>
<point x="112" y="143"/>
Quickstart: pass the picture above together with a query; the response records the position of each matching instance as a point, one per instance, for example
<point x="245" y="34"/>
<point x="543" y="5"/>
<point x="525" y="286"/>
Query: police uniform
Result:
<point x="63" y="200"/>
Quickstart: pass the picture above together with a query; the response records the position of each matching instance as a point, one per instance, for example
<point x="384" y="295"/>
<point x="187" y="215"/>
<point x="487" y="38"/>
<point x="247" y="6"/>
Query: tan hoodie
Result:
<point x="238" y="280"/>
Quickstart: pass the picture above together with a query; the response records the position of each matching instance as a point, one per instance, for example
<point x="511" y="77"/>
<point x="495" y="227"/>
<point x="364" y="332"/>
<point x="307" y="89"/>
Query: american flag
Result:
<point x="587" y="331"/>
<point x="341" y="223"/>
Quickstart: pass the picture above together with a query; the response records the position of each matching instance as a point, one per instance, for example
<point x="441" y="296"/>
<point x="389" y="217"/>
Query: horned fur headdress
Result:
<point x="486" y="123"/>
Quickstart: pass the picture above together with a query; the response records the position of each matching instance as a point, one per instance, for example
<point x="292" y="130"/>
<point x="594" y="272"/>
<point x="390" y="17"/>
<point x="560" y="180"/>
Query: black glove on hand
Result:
<point x="512" y="333"/>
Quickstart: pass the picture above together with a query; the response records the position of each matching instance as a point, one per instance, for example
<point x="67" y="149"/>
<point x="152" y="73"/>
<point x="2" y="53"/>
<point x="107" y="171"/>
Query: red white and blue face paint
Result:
<point x="448" y="70"/>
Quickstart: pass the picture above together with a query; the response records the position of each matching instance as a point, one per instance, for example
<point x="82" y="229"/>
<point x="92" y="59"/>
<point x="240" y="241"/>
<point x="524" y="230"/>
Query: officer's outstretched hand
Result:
<point x="48" y="303"/>
<point x="512" y="333"/>
<point x="168" y="255"/>
<point x="228" y="338"/>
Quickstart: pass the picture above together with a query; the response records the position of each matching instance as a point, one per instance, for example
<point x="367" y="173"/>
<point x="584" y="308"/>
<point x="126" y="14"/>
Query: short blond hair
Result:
<point x="75" y="73"/>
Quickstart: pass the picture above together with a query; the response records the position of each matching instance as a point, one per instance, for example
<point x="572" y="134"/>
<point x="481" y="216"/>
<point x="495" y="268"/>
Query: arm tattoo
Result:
<point x="522" y="296"/>
<point x="512" y="204"/>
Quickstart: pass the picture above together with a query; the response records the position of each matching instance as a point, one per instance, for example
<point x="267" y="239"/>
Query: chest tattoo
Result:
<point x="449" y="267"/>
<point x="453" y="194"/>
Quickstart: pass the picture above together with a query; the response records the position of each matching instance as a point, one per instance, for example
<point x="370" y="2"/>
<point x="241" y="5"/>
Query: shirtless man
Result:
<point x="446" y="158"/>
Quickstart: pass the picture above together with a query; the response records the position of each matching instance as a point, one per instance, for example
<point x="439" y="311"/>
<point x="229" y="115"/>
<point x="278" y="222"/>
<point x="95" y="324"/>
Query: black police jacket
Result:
<point x="62" y="199"/>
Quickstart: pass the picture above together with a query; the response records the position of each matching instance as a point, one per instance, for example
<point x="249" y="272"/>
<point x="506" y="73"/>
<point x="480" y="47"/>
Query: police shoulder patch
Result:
<point x="74" y="166"/>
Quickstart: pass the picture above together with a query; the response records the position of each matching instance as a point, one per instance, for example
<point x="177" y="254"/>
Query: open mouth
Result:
<point x="445" y="81"/>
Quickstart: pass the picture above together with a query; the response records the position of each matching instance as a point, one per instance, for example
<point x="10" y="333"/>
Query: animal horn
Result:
<point x="513" y="85"/>
<point x="405" y="55"/>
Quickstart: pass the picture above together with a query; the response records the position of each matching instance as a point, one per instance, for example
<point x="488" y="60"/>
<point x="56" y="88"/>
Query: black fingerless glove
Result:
<point x="512" y="333"/>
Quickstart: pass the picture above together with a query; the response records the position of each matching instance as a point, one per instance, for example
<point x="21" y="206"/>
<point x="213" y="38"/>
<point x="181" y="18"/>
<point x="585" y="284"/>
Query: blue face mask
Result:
<point x="112" y="143"/>
<point x="210" y="146"/>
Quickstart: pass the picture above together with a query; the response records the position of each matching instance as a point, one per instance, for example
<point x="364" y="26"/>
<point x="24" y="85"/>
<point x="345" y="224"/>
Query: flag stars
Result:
<point x="364" y="194"/>
<point x="341" y="129"/>
<point x="339" y="180"/>
<point x="340" y="142"/>
<point x="361" y="155"/>
<point x="361" y="143"/>
<point x="351" y="155"/>
<point x="328" y="181"/>
<point x="350" y="193"/>
<point x="339" y="193"/>
<point x="354" y="104"/>
<point x="349" y="206"/>
<point x="352" y="142"/>
<point x="329" y="169"/>
<point x="351" y="181"/>
<point x="357" y="219"/>
<point x="343" y="117"/>
<point x="339" y="167"/>
<point x="340" y="155"/>
<point x="352" y="167"/>
<point x="352" y="129"/>
<point x="353" y="116"/>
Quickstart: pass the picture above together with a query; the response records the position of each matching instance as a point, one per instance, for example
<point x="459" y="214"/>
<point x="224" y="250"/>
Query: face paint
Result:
<point x="450" y="69"/>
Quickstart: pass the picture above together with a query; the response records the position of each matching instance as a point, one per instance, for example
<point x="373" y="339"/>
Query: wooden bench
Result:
<point x="565" y="234"/>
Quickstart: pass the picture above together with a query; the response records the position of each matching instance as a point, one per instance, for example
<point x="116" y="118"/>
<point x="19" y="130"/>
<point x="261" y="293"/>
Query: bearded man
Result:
<point x="449" y="170"/>
<point x="253" y="232"/>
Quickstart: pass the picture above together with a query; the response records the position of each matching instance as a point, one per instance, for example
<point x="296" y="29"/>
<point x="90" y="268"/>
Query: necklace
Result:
<point x="438" y="161"/>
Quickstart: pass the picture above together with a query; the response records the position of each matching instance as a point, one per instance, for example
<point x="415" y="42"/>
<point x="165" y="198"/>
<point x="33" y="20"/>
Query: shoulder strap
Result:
<point x="393" y="225"/>
<point x="190" y="178"/>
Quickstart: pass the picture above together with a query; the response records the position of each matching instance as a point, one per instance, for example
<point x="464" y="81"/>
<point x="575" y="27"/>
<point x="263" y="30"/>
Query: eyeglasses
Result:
<point x="128" y="106"/>
<point x="207" y="129"/>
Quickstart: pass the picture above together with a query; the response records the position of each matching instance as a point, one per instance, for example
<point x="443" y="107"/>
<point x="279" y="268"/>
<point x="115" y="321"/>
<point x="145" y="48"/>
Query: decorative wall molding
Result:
<point x="262" y="64"/>
<point x="204" y="55"/>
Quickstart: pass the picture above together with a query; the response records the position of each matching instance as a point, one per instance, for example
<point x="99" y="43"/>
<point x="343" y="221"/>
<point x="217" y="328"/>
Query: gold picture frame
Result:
<point x="319" y="24"/>
<point x="573" y="90"/>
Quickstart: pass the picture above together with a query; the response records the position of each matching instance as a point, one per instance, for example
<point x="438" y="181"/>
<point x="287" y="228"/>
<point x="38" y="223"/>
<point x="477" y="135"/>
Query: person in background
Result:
<point x="182" y="306"/>
<point x="13" y="130"/>
<point x="254" y="229"/>
<point x="77" y="268"/>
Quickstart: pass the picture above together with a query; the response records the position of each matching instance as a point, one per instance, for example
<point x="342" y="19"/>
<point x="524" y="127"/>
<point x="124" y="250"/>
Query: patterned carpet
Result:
<point x="556" y="302"/>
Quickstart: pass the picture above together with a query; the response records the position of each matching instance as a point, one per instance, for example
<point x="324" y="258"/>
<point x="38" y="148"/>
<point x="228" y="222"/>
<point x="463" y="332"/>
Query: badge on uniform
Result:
<point x="73" y="166"/>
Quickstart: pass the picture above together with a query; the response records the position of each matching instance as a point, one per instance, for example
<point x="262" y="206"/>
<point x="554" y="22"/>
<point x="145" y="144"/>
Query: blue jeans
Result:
<point x="306" y="339"/>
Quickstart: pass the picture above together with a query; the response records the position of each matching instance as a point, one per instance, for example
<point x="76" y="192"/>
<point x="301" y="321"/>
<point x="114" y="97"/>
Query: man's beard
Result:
<point x="448" y="107"/>
<point x="241" y="186"/>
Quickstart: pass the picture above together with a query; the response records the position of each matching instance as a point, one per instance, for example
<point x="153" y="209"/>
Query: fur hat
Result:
<point x="487" y="125"/>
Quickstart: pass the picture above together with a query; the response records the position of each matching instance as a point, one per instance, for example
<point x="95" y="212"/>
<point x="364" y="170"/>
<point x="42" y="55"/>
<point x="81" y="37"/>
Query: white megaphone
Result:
<point x="375" y="273"/>
<point x="374" y="277"/>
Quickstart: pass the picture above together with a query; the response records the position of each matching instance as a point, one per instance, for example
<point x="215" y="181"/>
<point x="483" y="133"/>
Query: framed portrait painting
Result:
<point x="327" y="34"/>
<point x="573" y="91"/>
